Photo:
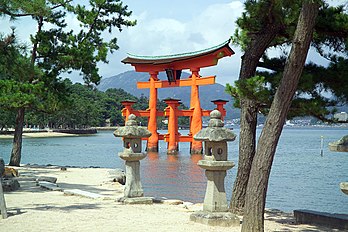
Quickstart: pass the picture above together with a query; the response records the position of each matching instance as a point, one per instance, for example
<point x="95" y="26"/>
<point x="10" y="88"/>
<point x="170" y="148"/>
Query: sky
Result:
<point x="168" y="27"/>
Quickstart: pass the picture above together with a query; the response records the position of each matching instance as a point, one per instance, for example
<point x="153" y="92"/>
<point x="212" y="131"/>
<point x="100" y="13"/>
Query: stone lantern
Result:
<point x="132" y="135"/>
<point x="215" y="163"/>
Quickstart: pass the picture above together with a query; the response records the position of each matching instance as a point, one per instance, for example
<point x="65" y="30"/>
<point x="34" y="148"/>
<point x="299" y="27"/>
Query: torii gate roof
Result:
<point x="198" y="59"/>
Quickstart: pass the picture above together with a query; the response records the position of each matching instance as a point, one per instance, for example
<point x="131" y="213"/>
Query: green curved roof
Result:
<point x="132" y="58"/>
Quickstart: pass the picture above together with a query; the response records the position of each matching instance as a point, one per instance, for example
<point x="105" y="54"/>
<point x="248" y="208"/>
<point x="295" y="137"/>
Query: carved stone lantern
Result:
<point x="215" y="163"/>
<point x="132" y="135"/>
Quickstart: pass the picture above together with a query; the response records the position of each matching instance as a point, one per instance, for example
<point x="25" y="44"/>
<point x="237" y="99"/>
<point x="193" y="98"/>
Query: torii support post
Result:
<point x="152" y="142"/>
<point x="196" y="119"/>
<point x="220" y="107"/>
<point x="127" y="110"/>
<point x="172" y="113"/>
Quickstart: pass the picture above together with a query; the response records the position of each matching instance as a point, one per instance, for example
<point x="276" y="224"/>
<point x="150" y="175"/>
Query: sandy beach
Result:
<point x="33" y="208"/>
<point x="39" y="135"/>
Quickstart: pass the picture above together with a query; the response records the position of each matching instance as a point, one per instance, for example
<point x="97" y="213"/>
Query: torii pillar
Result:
<point x="220" y="107"/>
<point x="173" y="134"/>
<point x="152" y="142"/>
<point x="196" y="119"/>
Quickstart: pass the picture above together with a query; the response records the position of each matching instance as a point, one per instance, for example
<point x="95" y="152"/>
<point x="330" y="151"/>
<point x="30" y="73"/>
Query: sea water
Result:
<point x="300" y="178"/>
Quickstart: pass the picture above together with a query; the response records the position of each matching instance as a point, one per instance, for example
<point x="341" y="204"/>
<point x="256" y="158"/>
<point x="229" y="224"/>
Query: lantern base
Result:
<point x="138" y="200"/>
<point x="224" y="219"/>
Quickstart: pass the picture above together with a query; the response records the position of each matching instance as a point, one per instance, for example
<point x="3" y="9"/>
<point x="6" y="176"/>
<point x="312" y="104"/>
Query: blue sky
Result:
<point x="169" y="27"/>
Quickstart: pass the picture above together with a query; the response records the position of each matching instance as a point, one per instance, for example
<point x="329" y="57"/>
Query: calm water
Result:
<point x="300" y="177"/>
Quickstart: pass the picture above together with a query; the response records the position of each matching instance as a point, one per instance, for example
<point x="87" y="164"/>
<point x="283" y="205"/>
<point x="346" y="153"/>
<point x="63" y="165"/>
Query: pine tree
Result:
<point x="259" y="30"/>
<point x="56" y="49"/>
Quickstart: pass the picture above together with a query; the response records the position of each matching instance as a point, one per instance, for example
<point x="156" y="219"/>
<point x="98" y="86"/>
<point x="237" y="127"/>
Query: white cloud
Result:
<point x="162" y="36"/>
<point x="169" y="34"/>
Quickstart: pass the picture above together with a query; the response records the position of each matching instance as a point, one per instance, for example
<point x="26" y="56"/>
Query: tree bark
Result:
<point x="262" y="163"/>
<point x="247" y="142"/>
<point x="247" y="137"/>
<point x="16" y="153"/>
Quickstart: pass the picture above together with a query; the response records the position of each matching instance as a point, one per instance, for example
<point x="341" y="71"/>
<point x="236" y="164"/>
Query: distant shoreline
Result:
<point x="49" y="133"/>
<point x="39" y="135"/>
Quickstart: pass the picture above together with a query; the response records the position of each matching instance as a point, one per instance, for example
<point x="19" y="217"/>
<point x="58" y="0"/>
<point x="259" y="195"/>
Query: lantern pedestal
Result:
<point x="132" y="135"/>
<point x="133" y="186"/>
<point x="215" y="208"/>
<point x="215" y="195"/>
<point x="215" y="203"/>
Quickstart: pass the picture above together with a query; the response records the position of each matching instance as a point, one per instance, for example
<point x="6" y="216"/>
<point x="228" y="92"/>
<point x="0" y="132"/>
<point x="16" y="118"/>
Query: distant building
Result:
<point x="341" y="117"/>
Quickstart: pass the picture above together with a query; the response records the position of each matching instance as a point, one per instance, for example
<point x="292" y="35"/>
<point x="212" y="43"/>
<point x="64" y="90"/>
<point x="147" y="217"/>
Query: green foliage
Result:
<point x="252" y="88"/>
<point x="86" y="107"/>
<point x="331" y="31"/>
<point x="320" y="88"/>
<point x="56" y="49"/>
<point x="7" y="119"/>
<point x="309" y="99"/>
<point x="264" y="15"/>
<point x="33" y="80"/>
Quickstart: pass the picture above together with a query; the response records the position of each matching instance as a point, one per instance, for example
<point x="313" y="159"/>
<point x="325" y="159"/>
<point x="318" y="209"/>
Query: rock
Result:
<point x="340" y="145"/>
<point x="173" y="202"/>
<point x="120" y="179"/>
<point x="47" y="179"/>
<point x="10" y="173"/>
<point x="49" y="186"/>
<point x="167" y="201"/>
<point x="118" y="176"/>
<point x="10" y="185"/>
<point x="26" y="178"/>
<point x="81" y="193"/>
<point x="344" y="187"/>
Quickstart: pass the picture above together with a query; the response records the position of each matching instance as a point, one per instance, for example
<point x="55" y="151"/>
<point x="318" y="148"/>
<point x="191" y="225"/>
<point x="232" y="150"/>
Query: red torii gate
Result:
<point x="173" y="65"/>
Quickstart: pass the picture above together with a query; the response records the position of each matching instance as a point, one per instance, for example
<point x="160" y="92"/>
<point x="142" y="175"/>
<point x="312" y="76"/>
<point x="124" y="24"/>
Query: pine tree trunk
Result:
<point x="247" y="142"/>
<point x="248" y="119"/>
<point x="16" y="153"/>
<point x="262" y="163"/>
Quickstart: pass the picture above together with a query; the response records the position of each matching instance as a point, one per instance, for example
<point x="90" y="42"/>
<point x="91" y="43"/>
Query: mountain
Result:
<point x="128" y="80"/>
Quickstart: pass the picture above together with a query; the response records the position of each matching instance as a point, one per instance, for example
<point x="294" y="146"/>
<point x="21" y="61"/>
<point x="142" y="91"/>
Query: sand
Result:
<point x="32" y="208"/>
<point x="39" y="135"/>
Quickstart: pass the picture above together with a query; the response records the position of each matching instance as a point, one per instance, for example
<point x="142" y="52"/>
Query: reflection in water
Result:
<point x="173" y="158"/>
<point x="173" y="176"/>
<point x="195" y="158"/>
<point x="196" y="178"/>
<point x="152" y="155"/>
<point x="297" y="158"/>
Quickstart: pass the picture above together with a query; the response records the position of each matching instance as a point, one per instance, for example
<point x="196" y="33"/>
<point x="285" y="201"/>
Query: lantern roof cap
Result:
<point x="131" y="129"/>
<point x="215" y="131"/>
